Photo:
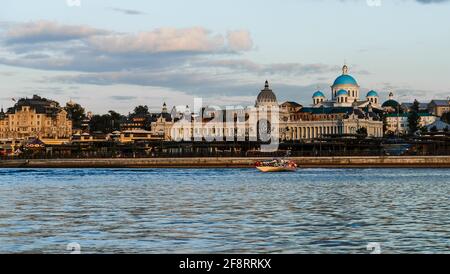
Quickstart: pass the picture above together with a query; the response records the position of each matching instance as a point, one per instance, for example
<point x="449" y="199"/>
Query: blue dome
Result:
<point x="342" y="92"/>
<point x="318" y="94"/>
<point x="372" y="93"/>
<point x="345" y="79"/>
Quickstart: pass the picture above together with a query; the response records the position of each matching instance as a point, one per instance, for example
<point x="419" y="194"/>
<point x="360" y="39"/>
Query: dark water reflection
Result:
<point x="225" y="210"/>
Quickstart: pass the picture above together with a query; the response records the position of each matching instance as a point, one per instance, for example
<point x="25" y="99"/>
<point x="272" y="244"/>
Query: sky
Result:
<point x="110" y="54"/>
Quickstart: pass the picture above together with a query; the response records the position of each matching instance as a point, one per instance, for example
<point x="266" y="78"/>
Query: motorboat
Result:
<point x="276" y="165"/>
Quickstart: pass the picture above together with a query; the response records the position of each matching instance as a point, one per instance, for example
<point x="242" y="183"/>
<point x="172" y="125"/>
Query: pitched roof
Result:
<point x="295" y="104"/>
<point x="39" y="104"/>
<point x="440" y="103"/>
<point x="421" y="105"/>
<point x="440" y="125"/>
<point x="421" y="114"/>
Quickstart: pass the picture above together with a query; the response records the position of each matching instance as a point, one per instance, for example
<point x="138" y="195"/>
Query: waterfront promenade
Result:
<point x="232" y="162"/>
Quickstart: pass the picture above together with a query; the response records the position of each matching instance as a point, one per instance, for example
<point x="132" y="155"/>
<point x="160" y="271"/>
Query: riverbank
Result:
<point x="318" y="162"/>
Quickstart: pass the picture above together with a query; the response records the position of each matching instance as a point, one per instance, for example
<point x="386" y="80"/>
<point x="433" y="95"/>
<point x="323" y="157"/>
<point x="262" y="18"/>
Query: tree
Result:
<point x="76" y="113"/>
<point x="423" y="130"/>
<point x="413" y="117"/>
<point x="445" y="117"/>
<point x="385" y="125"/>
<point x="141" y="110"/>
<point x="106" y="123"/>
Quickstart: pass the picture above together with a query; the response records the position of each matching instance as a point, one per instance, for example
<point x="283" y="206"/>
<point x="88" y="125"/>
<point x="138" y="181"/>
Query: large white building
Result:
<point x="398" y="122"/>
<point x="343" y="113"/>
<point x="345" y="92"/>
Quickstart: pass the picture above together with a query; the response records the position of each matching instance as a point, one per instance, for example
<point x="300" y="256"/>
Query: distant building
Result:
<point x="345" y="92"/>
<point x="137" y="122"/>
<point x="439" y="126"/>
<point x="391" y="105"/>
<point x="344" y="113"/>
<point x="439" y="107"/>
<point x="35" y="117"/>
<point x="162" y="124"/>
<point x="398" y="123"/>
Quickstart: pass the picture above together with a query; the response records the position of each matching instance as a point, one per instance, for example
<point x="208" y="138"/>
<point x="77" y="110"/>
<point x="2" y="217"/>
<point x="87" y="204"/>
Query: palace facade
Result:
<point x="343" y="113"/>
<point x="35" y="117"/>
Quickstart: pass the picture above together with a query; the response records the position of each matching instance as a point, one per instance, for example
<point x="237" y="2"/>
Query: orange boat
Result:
<point x="276" y="165"/>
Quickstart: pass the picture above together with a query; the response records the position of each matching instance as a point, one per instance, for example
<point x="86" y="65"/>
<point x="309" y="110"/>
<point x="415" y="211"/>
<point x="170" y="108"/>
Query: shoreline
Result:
<point x="305" y="162"/>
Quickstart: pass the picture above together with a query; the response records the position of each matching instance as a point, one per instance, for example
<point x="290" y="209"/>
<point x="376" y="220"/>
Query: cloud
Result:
<point x="239" y="40"/>
<point x="160" y="40"/>
<point x="193" y="60"/>
<point x="7" y="73"/>
<point x="432" y="1"/>
<point x="122" y="98"/>
<point x="128" y="11"/>
<point x="195" y="82"/>
<point x="291" y="69"/>
<point x="47" y="31"/>
<point x="85" y="49"/>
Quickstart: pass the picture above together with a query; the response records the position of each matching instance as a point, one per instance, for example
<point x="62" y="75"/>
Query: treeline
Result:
<point x="105" y="123"/>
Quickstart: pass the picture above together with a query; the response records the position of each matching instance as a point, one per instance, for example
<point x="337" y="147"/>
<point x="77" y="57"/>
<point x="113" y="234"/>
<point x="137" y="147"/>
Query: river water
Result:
<point x="224" y="210"/>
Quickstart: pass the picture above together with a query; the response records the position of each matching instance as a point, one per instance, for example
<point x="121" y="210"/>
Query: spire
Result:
<point x="344" y="70"/>
<point x="266" y="86"/>
<point x="391" y="95"/>
<point x="164" y="108"/>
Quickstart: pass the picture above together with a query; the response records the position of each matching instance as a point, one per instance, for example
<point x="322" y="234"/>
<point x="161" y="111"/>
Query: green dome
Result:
<point x="372" y="93"/>
<point x="345" y="80"/>
<point x="342" y="92"/>
<point x="390" y="103"/>
<point x="318" y="94"/>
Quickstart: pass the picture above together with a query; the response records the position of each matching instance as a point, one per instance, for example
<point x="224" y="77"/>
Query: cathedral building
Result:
<point x="343" y="113"/>
<point x="345" y="92"/>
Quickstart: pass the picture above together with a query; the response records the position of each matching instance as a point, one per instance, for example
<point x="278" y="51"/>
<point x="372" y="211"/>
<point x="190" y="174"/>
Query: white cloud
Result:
<point x="45" y="31"/>
<point x="160" y="40"/>
<point x="239" y="40"/>
<point x="192" y="61"/>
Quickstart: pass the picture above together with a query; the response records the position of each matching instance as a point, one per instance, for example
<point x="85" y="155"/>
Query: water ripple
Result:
<point x="224" y="210"/>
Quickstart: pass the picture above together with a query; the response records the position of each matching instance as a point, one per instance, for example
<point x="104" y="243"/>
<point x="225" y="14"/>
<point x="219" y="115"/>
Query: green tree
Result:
<point x="141" y="110"/>
<point x="385" y="126"/>
<point x="446" y="117"/>
<point x="106" y="123"/>
<point x="424" y="130"/>
<point x="76" y="113"/>
<point x="413" y="118"/>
